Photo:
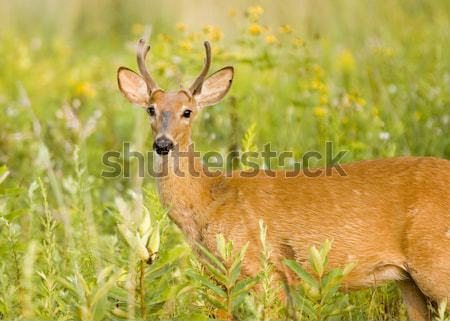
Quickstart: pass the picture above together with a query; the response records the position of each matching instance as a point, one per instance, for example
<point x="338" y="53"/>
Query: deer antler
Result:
<point x="142" y="51"/>
<point x="196" y="87"/>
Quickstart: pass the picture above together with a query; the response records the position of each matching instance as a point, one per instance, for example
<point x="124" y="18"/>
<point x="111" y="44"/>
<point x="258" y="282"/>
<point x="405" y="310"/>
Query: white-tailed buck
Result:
<point x="391" y="216"/>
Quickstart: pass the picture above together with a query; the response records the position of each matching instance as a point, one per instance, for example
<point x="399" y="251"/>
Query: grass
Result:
<point x="374" y="79"/>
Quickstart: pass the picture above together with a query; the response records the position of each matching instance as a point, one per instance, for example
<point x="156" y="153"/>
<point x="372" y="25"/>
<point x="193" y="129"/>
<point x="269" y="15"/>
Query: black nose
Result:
<point x="163" y="145"/>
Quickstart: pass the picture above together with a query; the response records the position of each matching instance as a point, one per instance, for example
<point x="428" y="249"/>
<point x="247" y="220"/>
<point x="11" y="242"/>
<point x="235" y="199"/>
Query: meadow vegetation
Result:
<point x="372" y="77"/>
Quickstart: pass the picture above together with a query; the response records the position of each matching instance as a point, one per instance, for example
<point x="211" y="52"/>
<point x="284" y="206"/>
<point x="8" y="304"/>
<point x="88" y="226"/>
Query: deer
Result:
<point x="390" y="216"/>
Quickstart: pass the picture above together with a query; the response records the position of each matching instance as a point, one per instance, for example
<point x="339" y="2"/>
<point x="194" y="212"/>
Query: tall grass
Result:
<point x="374" y="79"/>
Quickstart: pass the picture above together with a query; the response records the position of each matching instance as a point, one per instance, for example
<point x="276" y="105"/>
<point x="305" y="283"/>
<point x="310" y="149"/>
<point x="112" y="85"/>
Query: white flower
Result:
<point x="384" y="135"/>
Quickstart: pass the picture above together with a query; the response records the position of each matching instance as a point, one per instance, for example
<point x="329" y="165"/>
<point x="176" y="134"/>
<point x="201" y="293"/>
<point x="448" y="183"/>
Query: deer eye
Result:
<point x="187" y="113"/>
<point x="151" y="111"/>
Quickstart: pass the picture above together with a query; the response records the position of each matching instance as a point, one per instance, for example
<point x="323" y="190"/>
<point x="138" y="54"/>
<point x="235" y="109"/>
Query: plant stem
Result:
<point x="142" y="291"/>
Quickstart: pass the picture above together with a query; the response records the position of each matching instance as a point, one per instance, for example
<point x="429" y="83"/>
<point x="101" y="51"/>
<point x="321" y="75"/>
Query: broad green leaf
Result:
<point x="302" y="274"/>
<point x="154" y="242"/>
<point x="216" y="303"/>
<point x="348" y="268"/>
<point x="99" y="308"/>
<point x="206" y="282"/>
<point x="104" y="273"/>
<point x="220" y="277"/>
<point x="331" y="279"/>
<point x="102" y="291"/>
<point x="325" y="248"/>
<point x="229" y="249"/>
<point x="146" y="223"/>
<point x="304" y="305"/>
<point x="243" y="286"/>
<point x="237" y="262"/>
<point x="234" y="274"/>
<point x="220" y="243"/>
<point x="212" y="258"/>
<point x="82" y="281"/>
<point x="316" y="260"/>
<point x="68" y="285"/>
<point x="3" y="173"/>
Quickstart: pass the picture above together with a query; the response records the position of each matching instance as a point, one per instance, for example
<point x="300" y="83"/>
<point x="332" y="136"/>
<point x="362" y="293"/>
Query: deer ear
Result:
<point x="132" y="86"/>
<point x="215" y="87"/>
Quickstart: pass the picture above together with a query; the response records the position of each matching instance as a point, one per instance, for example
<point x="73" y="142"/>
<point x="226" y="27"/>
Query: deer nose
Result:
<point x="163" y="145"/>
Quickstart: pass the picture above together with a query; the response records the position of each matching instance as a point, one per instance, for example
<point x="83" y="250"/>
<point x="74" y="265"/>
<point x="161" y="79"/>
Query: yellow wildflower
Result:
<point x="165" y="38"/>
<point x="180" y="26"/>
<point x="353" y="98"/>
<point x="194" y="36"/>
<point x="319" y="86"/>
<point x="285" y="29"/>
<point x="216" y="34"/>
<point x="186" y="45"/>
<point x="360" y="101"/>
<point x="207" y="29"/>
<point x="271" y="39"/>
<point x="137" y="29"/>
<point x="85" y="89"/>
<point x="254" y="12"/>
<point x="320" y="111"/>
<point x="346" y="62"/>
<point x="417" y="115"/>
<point x="298" y="42"/>
<point x="255" y="29"/>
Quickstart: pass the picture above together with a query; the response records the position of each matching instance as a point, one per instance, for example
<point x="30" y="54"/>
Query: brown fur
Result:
<point x="391" y="216"/>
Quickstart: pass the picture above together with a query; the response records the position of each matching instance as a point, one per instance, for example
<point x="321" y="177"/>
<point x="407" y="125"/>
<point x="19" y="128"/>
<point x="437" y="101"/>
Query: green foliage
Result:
<point x="74" y="244"/>
<point x="270" y="307"/>
<point x="224" y="290"/>
<point x="318" y="297"/>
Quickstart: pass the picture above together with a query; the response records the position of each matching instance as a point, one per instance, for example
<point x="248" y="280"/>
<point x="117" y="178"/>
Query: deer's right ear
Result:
<point x="132" y="86"/>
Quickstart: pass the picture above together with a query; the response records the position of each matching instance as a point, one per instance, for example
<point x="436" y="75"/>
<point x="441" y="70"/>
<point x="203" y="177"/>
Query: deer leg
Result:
<point x="415" y="300"/>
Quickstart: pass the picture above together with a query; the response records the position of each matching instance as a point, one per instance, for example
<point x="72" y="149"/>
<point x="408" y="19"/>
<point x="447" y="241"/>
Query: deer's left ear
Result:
<point x="215" y="87"/>
<point x="132" y="86"/>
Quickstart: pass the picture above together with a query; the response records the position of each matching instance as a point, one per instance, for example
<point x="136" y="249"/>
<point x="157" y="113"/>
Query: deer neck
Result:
<point x="185" y="190"/>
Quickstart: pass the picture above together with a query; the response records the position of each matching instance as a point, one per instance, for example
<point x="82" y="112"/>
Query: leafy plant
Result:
<point x="318" y="297"/>
<point x="221" y="281"/>
<point x="270" y="289"/>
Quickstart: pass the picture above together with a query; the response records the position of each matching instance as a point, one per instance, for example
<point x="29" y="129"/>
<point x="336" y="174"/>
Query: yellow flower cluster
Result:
<point x="320" y="111"/>
<point x="85" y="89"/>
<point x="298" y="42"/>
<point x="346" y="62"/>
<point x="271" y="39"/>
<point x="214" y="32"/>
<point x="319" y="86"/>
<point x="165" y="38"/>
<point x="255" y="12"/>
<point x="285" y="29"/>
<point x="181" y="26"/>
<point x="352" y="98"/>
<point x="186" y="45"/>
<point x="255" y="29"/>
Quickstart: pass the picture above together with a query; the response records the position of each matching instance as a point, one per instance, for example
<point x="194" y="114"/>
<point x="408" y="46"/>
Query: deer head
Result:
<point x="171" y="113"/>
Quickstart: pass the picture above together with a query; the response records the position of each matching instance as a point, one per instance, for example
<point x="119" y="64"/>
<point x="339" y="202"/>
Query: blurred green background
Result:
<point x="373" y="77"/>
